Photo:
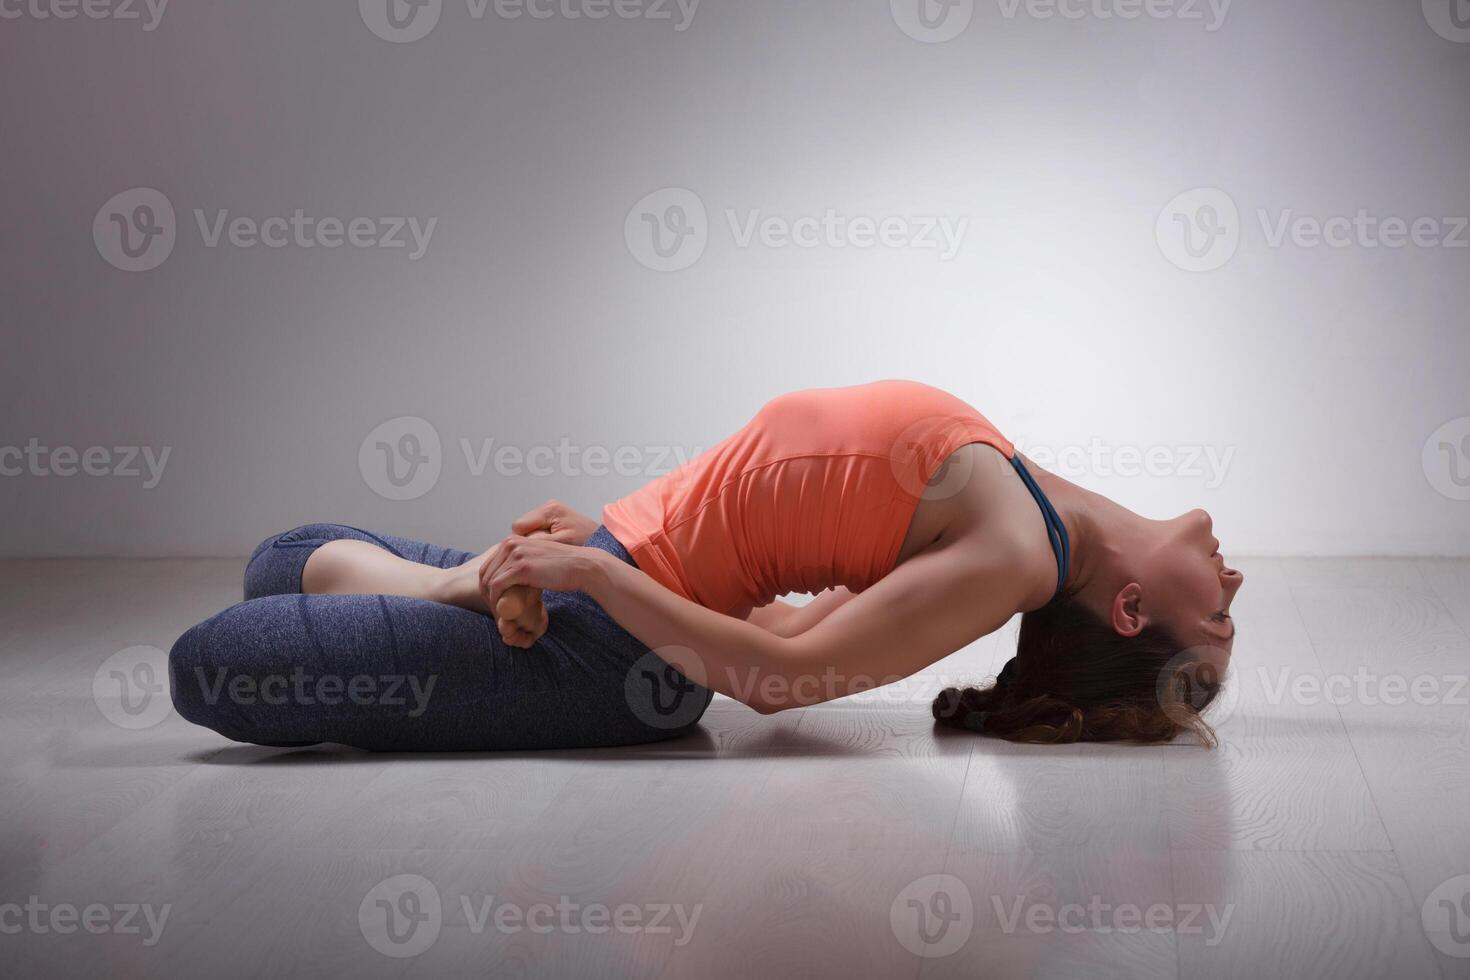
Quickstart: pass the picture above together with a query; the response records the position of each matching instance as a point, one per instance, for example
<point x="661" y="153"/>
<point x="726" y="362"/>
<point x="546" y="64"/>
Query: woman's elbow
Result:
<point x="767" y="706"/>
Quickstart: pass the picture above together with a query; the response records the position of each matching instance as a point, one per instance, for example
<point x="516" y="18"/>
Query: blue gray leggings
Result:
<point x="390" y="673"/>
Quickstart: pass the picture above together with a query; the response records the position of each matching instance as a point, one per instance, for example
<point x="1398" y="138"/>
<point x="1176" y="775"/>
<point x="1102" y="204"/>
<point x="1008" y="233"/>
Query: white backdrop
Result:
<point x="1207" y="255"/>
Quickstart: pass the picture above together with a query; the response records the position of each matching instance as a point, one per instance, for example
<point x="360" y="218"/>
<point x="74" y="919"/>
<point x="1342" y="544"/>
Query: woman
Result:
<point x="916" y="523"/>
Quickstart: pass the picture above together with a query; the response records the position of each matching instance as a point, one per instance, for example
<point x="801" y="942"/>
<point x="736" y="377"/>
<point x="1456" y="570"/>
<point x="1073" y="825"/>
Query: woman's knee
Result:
<point x="665" y="703"/>
<point x="276" y="563"/>
<point x="213" y="672"/>
<point x="188" y="661"/>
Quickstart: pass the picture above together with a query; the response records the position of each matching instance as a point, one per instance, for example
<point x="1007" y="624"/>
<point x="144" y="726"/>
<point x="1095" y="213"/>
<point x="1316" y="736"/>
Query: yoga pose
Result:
<point x="916" y="524"/>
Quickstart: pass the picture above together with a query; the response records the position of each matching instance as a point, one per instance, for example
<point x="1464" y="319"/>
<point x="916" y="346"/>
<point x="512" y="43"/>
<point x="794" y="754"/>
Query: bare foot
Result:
<point x="521" y="616"/>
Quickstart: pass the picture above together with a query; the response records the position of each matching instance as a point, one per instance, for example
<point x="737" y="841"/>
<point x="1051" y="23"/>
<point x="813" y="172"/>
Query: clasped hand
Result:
<point x="544" y="552"/>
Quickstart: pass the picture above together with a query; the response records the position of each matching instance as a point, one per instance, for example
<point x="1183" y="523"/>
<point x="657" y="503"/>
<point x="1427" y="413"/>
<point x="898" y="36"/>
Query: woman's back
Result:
<point x="816" y="491"/>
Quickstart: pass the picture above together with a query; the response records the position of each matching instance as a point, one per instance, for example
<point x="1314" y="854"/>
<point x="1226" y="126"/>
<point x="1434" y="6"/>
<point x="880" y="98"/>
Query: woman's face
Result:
<point x="1187" y="585"/>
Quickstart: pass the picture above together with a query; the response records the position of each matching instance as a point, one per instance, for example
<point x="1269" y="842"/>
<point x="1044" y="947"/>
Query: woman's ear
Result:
<point x="1127" y="615"/>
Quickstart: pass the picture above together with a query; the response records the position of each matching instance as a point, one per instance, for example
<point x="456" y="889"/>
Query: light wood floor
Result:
<point x="1316" y="841"/>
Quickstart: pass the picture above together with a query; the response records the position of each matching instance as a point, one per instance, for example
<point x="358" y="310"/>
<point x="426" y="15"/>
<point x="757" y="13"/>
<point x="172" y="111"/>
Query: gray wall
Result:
<point x="1313" y="396"/>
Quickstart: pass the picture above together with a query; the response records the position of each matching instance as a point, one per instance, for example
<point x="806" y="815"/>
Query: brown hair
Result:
<point x="1075" y="679"/>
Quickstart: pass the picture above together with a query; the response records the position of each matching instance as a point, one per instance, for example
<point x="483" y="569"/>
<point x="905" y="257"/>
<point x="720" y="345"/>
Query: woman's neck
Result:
<point x="1097" y="530"/>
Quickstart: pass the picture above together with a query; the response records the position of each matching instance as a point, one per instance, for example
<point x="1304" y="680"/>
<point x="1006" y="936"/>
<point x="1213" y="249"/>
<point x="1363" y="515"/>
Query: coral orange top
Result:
<point x="816" y="491"/>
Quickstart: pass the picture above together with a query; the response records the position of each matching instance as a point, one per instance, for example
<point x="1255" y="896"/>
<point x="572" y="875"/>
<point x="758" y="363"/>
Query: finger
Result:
<point x="494" y="587"/>
<point x="533" y="520"/>
<point x="503" y="579"/>
<point x="493" y="560"/>
<point x="493" y="566"/>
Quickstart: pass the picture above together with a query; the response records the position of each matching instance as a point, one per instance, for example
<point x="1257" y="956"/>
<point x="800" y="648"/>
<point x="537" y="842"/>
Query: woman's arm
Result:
<point x="930" y="606"/>
<point x="785" y="619"/>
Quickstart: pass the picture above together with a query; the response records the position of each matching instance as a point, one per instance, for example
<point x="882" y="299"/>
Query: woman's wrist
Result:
<point x="596" y="575"/>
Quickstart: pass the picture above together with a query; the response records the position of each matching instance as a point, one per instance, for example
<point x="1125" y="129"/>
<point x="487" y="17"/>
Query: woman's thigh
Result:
<point x="392" y="673"/>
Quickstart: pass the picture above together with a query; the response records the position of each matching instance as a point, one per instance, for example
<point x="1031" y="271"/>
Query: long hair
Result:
<point x="1075" y="679"/>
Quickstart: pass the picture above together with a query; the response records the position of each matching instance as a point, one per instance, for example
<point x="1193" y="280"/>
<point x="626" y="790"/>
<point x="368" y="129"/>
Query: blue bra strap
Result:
<point x="1055" y="529"/>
